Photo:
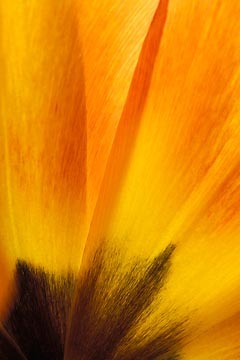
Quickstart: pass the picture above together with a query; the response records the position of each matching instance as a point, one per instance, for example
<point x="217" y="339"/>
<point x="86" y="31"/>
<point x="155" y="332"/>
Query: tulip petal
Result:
<point x="43" y="127"/>
<point x="128" y="130"/>
<point x="173" y="172"/>
<point x="221" y="342"/>
<point x="182" y="172"/>
<point x="188" y="131"/>
<point x="105" y="273"/>
<point x="112" y="33"/>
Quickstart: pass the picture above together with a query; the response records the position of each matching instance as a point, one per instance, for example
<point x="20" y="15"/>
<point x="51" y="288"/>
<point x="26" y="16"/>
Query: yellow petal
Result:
<point x="112" y="33"/>
<point x="177" y="180"/>
<point x="188" y="129"/>
<point x="43" y="133"/>
<point x="128" y="127"/>
<point x="221" y="342"/>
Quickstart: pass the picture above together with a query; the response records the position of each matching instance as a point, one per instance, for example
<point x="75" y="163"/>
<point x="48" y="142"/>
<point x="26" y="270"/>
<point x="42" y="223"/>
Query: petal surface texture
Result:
<point x="173" y="172"/>
<point x="112" y="34"/>
<point x="43" y="133"/>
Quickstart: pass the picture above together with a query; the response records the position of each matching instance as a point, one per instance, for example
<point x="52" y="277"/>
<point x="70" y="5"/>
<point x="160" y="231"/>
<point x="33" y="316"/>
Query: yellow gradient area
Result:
<point x="180" y="183"/>
<point x="61" y="83"/>
<point x="43" y="134"/>
<point x="221" y="342"/>
<point x="112" y="34"/>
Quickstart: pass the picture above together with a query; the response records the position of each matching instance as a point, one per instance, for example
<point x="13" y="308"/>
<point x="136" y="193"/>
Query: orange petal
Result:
<point x="186" y="154"/>
<point x="103" y="270"/>
<point x="177" y="181"/>
<point x="43" y="128"/>
<point x="129" y="125"/>
<point x="112" y="33"/>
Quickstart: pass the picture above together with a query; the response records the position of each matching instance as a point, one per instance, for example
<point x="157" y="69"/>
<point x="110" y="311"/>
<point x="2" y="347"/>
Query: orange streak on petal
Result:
<point x="43" y="123"/>
<point x="187" y="142"/>
<point x="112" y="36"/>
<point x="180" y="183"/>
<point x="129" y="124"/>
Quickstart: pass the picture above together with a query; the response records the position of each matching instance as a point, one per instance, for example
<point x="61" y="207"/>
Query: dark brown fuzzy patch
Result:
<point x="104" y="314"/>
<point x="38" y="319"/>
<point x="111" y="302"/>
<point x="8" y="347"/>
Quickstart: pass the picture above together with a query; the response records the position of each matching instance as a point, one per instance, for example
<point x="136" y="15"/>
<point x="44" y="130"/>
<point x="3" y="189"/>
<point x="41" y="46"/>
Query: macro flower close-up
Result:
<point x="120" y="180"/>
